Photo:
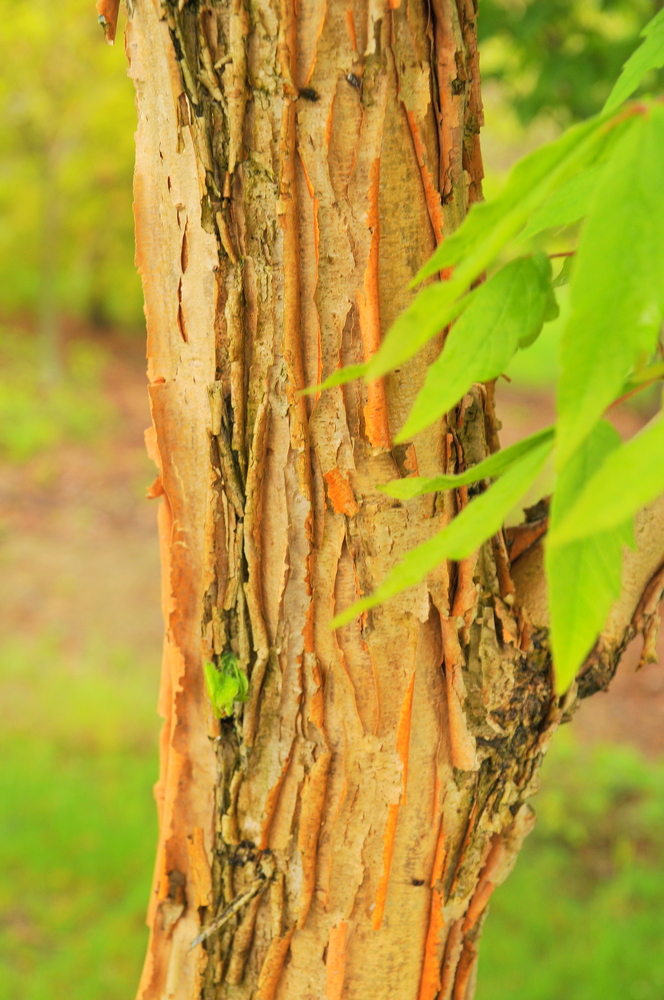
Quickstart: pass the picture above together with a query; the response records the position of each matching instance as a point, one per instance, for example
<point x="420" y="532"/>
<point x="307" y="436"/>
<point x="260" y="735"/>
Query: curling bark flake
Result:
<point x="296" y="164"/>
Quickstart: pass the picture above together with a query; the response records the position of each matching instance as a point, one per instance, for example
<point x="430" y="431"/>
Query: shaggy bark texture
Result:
<point x="345" y="829"/>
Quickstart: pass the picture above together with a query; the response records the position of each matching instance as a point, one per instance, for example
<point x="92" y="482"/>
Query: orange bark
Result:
<point x="107" y="11"/>
<point x="287" y="483"/>
<point x="368" y="299"/>
<point x="430" y="984"/>
<point x="268" y="979"/>
<point x="340" y="834"/>
<point x="335" y="966"/>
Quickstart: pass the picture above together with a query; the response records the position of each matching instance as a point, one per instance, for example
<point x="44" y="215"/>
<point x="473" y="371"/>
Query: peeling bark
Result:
<point x="341" y="835"/>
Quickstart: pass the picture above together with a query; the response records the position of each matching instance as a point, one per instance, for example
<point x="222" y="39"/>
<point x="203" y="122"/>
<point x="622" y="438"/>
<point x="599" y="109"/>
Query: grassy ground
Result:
<point x="77" y="825"/>
<point x="79" y="669"/>
<point x="582" y="916"/>
<point x="76" y="837"/>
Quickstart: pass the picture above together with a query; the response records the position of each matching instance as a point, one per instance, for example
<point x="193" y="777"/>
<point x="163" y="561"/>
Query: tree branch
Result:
<point x="636" y="613"/>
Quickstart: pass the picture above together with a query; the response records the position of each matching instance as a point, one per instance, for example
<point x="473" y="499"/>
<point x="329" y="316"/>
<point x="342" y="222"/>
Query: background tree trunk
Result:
<point x="296" y="165"/>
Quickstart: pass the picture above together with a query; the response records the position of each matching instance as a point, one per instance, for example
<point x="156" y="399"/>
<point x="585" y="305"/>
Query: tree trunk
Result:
<point x="296" y="165"/>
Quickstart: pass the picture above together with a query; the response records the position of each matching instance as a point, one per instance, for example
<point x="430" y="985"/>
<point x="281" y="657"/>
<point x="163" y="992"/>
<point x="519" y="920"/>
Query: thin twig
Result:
<point x="258" y="886"/>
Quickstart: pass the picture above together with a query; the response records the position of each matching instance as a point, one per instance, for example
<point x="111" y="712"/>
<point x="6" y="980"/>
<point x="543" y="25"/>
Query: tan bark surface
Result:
<point x="296" y="166"/>
<point x="177" y="261"/>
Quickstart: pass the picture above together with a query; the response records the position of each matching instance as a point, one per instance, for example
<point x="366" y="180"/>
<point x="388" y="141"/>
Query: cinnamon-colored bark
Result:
<point x="296" y="165"/>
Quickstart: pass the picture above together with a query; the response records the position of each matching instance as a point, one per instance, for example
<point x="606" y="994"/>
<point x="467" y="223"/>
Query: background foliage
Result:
<point x="66" y="158"/>
<point x="34" y="417"/>
<point x="558" y="57"/>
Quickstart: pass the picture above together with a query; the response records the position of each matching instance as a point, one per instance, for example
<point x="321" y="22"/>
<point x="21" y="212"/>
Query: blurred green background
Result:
<point x="582" y="917"/>
<point x="66" y="161"/>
